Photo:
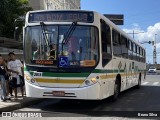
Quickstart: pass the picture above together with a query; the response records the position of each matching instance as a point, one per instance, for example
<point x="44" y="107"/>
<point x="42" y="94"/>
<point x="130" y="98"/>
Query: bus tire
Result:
<point x="139" y="82"/>
<point x="116" y="90"/>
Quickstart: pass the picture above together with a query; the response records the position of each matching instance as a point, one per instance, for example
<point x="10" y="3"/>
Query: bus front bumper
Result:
<point x="91" y="92"/>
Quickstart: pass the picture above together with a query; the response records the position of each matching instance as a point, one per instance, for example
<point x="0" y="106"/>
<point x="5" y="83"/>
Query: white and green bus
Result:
<point x="77" y="54"/>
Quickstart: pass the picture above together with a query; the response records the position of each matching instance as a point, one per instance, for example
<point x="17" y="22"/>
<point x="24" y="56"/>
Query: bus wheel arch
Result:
<point x="117" y="88"/>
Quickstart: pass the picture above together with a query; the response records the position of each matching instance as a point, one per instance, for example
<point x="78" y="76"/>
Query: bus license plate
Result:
<point x="58" y="93"/>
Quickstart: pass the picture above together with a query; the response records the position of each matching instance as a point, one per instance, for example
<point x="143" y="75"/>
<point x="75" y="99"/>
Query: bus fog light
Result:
<point x="87" y="82"/>
<point x="33" y="81"/>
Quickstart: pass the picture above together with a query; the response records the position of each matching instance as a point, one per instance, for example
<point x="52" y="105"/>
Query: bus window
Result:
<point x="144" y="56"/>
<point x="124" y="47"/>
<point x="116" y="43"/>
<point x="137" y="53"/>
<point x="141" y="54"/>
<point x="130" y="51"/>
<point x="106" y="41"/>
<point x="133" y="51"/>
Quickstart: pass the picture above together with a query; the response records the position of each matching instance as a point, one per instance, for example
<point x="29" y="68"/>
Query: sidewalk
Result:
<point x="10" y="105"/>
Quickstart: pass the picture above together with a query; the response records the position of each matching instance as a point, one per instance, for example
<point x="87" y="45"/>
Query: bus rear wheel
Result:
<point x="116" y="90"/>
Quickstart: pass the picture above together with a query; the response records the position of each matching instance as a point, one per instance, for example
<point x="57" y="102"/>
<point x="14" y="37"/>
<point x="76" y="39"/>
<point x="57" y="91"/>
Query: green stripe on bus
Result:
<point x="102" y="71"/>
<point x="49" y="74"/>
<point x="83" y="74"/>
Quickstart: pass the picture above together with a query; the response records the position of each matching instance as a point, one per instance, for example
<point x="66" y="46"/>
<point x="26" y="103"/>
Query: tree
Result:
<point x="9" y="11"/>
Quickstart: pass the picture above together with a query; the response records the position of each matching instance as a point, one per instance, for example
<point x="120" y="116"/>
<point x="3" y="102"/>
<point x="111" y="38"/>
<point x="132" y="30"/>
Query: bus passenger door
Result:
<point x="106" y="58"/>
<point x="106" y="43"/>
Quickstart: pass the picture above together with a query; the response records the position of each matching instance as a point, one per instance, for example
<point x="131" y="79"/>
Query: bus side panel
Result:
<point x="107" y="86"/>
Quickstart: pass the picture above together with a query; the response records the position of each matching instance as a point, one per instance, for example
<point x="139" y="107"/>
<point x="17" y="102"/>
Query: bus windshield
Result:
<point x="79" y="50"/>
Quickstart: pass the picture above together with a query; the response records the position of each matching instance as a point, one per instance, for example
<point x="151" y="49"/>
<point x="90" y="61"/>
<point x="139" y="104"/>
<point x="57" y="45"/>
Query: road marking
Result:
<point x="155" y="83"/>
<point x="151" y="83"/>
<point x="145" y="83"/>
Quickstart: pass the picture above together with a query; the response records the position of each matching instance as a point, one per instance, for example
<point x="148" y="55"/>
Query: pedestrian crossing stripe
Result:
<point x="155" y="83"/>
<point x="151" y="83"/>
<point x="145" y="83"/>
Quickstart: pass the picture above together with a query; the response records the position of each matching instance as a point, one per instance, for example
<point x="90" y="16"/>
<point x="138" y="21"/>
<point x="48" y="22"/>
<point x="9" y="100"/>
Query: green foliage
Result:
<point x="9" y="11"/>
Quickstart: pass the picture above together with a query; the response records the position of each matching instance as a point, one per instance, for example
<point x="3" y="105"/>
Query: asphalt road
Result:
<point x="131" y="103"/>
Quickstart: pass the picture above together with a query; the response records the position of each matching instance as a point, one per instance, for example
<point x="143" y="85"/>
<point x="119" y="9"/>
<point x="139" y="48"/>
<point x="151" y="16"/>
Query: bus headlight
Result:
<point x="29" y="79"/>
<point x="27" y="76"/>
<point x="91" y="81"/>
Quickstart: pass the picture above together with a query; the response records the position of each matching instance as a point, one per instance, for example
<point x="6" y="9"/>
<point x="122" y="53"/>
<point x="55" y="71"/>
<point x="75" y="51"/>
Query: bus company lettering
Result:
<point x="61" y="17"/>
<point x="54" y="17"/>
<point x="48" y="17"/>
<point x="77" y="17"/>
<point x="44" y="62"/>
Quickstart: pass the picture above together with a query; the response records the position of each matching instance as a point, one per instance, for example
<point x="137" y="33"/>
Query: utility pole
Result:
<point x="154" y="52"/>
<point x="135" y="33"/>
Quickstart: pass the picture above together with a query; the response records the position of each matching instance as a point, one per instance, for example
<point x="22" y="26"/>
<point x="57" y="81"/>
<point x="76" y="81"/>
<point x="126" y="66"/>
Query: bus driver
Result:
<point x="52" y="54"/>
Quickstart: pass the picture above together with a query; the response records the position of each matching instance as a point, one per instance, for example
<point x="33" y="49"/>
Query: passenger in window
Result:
<point x="39" y="54"/>
<point x="53" y="50"/>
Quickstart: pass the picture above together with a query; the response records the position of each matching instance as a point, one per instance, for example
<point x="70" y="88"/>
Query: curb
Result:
<point x="23" y="103"/>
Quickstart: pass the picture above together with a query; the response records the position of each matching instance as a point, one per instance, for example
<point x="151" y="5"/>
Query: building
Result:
<point x="54" y="4"/>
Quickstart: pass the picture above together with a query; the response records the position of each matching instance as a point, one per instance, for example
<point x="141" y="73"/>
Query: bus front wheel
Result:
<point x="116" y="90"/>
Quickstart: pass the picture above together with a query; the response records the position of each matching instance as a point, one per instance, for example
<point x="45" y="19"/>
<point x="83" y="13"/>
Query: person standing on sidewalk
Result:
<point x="7" y="77"/>
<point x="2" y="80"/>
<point x="10" y="89"/>
<point x="15" y="66"/>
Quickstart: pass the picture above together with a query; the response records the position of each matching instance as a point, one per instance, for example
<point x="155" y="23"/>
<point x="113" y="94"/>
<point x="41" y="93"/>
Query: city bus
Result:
<point x="78" y="54"/>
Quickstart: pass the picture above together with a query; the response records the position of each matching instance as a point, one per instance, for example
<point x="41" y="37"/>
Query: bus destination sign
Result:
<point x="61" y="16"/>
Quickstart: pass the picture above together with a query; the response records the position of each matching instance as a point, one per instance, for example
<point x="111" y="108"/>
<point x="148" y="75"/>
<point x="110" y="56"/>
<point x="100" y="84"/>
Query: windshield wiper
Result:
<point x="43" y="27"/>
<point x="68" y="34"/>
